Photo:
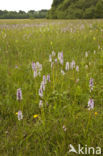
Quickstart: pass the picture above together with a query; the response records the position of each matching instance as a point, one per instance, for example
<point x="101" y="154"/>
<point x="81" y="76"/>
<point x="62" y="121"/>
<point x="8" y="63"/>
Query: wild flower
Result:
<point x="16" y="67"/>
<point x="36" y="116"/>
<point x="48" y="78"/>
<point x="35" y="73"/>
<point x="42" y="86"/>
<point x="33" y="65"/>
<point x="40" y="103"/>
<point x="37" y="68"/>
<point x="99" y="47"/>
<point x="86" y="54"/>
<point x="62" y="72"/>
<point x="90" y="104"/>
<point x="86" y="66"/>
<point x="94" y="52"/>
<point x="60" y="57"/>
<point x="19" y="94"/>
<point x="72" y="64"/>
<point x="20" y="115"/>
<point x="67" y="66"/>
<point x="55" y="60"/>
<point x="53" y="53"/>
<point x="41" y="92"/>
<point x="91" y="84"/>
<point x="77" y="68"/>
<point x="52" y="63"/>
<point x="64" y="128"/>
<point x="50" y="58"/>
<point x="96" y="113"/>
<point x="44" y="79"/>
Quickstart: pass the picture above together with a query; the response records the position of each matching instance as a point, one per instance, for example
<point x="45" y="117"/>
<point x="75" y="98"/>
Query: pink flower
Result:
<point x="48" y="78"/>
<point x="77" y="68"/>
<point x="20" y="115"/>
<point x="19" y="94"/>
<point x="60" y="57"/>
<point x="41" y="103"/>
<point x="72" y="64"/>
<point x="90" y="104"/>
<point x="91" y="84"/>
<point x="40" y="92"/>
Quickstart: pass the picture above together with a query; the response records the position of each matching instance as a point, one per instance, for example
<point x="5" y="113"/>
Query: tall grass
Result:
<point x="64" y="117"/>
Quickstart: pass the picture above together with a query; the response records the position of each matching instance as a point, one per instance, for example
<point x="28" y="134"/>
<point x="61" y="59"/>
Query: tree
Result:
<point x="76" y="9"/>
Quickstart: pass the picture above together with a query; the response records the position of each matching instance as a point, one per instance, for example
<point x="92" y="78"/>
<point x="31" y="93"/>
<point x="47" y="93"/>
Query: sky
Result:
<point x="25" y="5"/>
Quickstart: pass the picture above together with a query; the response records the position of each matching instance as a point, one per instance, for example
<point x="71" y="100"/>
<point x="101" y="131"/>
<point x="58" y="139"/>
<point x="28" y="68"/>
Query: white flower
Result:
<point x="50" y="58"/>
<point x="67" y="66"/>
<point x="53" y="53"/>
<point x="62" y="72"/>
<point x="64" y="128"/>
<point x="99" y="47"/>
<point x="86" y="54"/>
<point x="86" y="66"/>
<point x="94" y="52"/>
<point x="38" y="66"/>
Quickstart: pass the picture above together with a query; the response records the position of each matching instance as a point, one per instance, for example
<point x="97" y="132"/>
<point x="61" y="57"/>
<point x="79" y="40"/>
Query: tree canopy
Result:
<point x="76" y="9"/>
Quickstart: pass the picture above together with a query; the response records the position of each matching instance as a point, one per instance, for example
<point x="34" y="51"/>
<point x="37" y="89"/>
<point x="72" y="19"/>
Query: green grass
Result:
<point x="25" y="41"/>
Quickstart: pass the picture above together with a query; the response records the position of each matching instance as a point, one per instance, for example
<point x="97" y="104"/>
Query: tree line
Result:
<point x="22" y="14"/>
<point x="76" y="9"/>
<point x="61" y="9"/>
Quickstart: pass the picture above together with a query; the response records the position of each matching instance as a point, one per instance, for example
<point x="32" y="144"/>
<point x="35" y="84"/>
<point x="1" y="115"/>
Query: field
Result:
<point x="51" y="86"/>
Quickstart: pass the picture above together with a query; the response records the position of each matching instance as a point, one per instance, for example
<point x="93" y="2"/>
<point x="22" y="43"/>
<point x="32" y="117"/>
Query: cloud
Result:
<point x="25" y="4"/>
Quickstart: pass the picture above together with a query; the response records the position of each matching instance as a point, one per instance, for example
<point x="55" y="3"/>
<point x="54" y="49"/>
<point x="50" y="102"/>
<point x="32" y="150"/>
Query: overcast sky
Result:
<point x="25" y="5"/>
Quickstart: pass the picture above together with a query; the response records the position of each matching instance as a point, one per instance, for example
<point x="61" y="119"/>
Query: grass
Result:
<point x="65" y="100"/>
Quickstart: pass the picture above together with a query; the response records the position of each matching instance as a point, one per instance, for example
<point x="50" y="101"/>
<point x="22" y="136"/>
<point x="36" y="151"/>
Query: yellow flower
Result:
<point x="96" y="113"/>
<point x="16" y="113"/>
<point x="36" y="116"/>
<point x="94" y="38"/>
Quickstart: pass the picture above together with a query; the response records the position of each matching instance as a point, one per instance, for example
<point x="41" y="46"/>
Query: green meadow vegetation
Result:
<point x="51" y="86"/>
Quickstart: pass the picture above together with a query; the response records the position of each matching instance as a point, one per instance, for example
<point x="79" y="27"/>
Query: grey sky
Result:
<point x="25" y="5"/>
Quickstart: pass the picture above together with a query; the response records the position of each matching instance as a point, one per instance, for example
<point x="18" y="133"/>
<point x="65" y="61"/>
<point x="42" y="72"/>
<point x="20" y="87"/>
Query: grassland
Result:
<point x="63" y="118"/>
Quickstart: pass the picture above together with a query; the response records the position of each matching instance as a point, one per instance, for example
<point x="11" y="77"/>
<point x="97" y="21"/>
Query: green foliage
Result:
<point x="76" y="9"/>
<point x="22" y="14"/>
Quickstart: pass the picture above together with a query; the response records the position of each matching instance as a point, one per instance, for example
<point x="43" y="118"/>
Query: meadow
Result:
<point x="51" y="86"/>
